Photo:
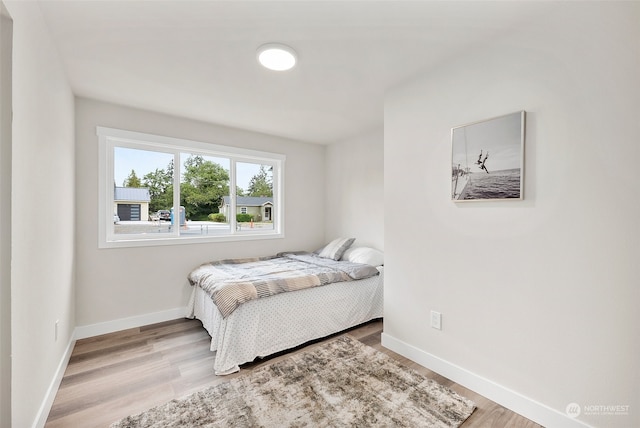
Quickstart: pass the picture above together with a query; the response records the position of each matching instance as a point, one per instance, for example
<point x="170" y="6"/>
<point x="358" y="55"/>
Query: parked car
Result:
<point x="164" y="215"/>
<point x="116" y="218"/>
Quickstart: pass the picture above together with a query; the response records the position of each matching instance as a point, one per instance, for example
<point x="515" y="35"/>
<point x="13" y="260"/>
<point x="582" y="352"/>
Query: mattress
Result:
<point x="262" y="327"/>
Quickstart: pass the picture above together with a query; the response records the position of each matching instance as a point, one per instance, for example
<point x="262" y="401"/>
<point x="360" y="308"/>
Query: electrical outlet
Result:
<point x="436" y="320"/>
<point x="56" y="330"/>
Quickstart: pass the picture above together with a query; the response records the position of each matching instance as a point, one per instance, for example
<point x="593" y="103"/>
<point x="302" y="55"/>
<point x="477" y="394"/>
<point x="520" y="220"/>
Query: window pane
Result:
<point x="204" y="182"/>
<point x="254" y="204"/>
<point x="143" y="190"/>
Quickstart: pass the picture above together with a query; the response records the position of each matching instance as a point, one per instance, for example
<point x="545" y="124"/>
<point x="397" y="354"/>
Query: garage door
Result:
<point x="129" y="212"/>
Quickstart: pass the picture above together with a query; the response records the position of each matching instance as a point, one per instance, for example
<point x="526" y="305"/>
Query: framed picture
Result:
<point x="487" y="159"/>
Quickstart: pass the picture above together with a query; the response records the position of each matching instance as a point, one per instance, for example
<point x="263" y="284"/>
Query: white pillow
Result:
<point x="366" y="255"/>
<point x="336" y="248"/>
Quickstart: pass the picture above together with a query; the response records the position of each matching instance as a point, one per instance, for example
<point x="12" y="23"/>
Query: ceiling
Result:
<point x="197" y="59"/>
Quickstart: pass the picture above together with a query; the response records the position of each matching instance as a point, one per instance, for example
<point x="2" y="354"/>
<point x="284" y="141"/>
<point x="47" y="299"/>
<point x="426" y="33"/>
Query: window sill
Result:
<point x="156" y="242"/>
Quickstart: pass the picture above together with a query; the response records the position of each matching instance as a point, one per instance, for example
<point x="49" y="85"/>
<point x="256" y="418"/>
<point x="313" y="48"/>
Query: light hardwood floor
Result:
<point x="118" y="374"/>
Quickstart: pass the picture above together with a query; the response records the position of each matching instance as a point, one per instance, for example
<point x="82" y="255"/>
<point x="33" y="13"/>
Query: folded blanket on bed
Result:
<point x="235" y="281"/>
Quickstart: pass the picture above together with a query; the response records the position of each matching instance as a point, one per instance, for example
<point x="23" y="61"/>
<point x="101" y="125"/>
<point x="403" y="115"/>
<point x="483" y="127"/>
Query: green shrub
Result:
<point x="217" y="217"/>
<point x="243" y="218"/>
<point x="198" y="217"/>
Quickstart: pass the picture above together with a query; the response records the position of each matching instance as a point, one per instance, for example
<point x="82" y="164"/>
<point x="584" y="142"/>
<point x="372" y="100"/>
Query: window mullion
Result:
<point x="232" y="196"/>
<point x="177" y="173"/>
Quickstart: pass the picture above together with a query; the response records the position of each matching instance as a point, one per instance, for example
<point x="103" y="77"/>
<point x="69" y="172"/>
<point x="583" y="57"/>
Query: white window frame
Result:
<point x="109" y="138"/>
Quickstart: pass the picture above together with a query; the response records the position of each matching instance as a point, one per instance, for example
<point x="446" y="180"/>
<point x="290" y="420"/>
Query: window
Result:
<point x="158" y="190"/>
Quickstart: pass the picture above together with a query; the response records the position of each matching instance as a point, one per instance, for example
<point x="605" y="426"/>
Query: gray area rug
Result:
<point x="342" y="383"/>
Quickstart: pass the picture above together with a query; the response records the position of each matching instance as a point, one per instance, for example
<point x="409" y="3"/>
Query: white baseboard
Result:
<point x="45" y="407"/>
<point x="82" y="332"/>
<point x="525" y="406"/>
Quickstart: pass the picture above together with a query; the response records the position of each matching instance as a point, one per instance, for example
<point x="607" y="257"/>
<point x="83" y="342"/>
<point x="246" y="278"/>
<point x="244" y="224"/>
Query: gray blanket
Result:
<point x="235" y="281"/>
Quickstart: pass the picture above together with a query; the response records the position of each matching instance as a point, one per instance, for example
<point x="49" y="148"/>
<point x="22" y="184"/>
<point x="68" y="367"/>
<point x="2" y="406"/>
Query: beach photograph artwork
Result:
<point x="487" y="159"/>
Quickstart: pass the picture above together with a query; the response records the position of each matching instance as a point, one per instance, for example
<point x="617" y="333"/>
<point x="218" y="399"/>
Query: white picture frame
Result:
<point x="487" y="159"/>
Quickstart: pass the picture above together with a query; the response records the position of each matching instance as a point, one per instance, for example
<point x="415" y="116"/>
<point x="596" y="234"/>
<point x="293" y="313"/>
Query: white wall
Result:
<point x="127" y="282"/>
<point x="354" y="198"/>
<point x="538" y="297"/>
<point x="43" y="212"/>
<point x="6" y="42"/>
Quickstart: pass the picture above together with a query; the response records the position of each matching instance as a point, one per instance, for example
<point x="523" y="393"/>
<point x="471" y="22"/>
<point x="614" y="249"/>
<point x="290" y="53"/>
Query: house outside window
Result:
<point x="131" y="203"/>
<point x="144" y="176"/>
<point x="258" y="208"/>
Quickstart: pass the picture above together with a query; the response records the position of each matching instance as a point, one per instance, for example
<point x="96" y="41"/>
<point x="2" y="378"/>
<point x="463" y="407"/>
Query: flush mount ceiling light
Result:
<point x="276" y="56"/>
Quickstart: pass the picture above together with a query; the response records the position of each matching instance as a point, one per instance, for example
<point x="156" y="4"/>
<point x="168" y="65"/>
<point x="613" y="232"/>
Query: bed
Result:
<point x="258" y="327"/>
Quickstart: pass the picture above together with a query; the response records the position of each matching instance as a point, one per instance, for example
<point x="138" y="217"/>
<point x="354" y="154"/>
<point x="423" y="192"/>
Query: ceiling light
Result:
<point x="275" y="56"/>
